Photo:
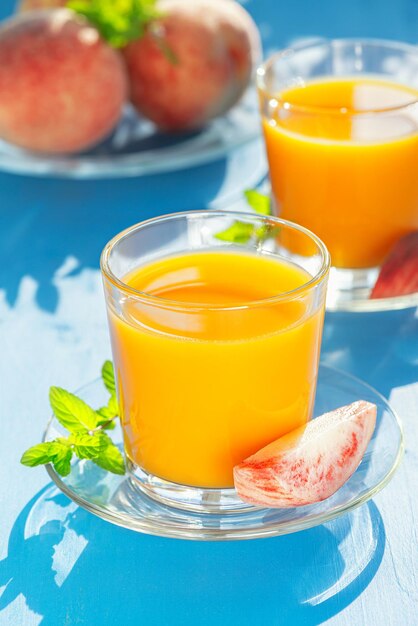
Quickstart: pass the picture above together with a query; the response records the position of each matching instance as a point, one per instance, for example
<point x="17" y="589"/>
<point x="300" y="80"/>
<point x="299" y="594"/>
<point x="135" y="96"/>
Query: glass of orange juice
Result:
<point x="215" y="346"/>
<point x="340" y="121"/>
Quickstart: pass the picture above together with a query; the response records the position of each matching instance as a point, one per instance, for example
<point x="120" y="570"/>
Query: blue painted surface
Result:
<point x="72" y="568"/>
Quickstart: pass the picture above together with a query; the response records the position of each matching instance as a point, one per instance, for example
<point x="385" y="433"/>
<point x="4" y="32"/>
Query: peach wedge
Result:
<point x="310" y="463"/>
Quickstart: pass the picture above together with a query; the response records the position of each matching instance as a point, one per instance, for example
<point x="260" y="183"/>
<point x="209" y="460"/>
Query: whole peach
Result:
<point x="61" y="87"/>
<point x="31" y="5"/>
<point x="194" y="64"/>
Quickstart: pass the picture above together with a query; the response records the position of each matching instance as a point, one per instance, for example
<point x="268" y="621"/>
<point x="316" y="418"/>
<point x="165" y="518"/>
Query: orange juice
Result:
<point x="348" y="176"/>
<point x="210" y="371"/>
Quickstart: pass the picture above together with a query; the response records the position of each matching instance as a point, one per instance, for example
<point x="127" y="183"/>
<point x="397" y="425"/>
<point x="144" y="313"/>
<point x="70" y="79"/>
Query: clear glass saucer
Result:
<point x="136" y="147"/>
<point x="349" y="290"/>
<point x="117" y="500"/>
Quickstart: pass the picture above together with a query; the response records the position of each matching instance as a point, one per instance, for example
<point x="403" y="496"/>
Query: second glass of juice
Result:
<point x="340" y="120"/>
<point x="215" y="345"/>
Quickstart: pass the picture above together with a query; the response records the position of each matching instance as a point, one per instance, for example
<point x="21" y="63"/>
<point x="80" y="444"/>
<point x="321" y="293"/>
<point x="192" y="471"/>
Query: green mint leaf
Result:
<point x="113" y="406"/>
<point x="87" y="439"/>
<point x="109" y="425"/>
<point x="110" y="458"/>
<point x="108" y="376"/>
<point x="267" y="231"/>
<point x="107" y="414"/>
<point x="243" y="232"/>
<point x="62" y="461"/>
<point x="88" y="446"/>
<point x="40" y="454"/>
<point x="118" y="21"/>
<point x="72" y="412"/>
<point x="104" y="415"/>
<point x="106" y="418"/>
<point x="259" y="202"/>
<point x="238" y="232"/>
<point x="57" y="452"/>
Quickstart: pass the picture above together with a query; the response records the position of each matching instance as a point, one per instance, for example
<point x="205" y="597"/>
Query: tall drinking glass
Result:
<point x="340" y="121"/>
<point x="215" y="346"/>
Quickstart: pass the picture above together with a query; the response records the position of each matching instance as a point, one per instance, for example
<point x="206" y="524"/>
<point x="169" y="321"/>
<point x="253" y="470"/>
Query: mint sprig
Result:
<point x="87" y="438"/>
<point x="118" y="21"/>
<point x="242" y="232"/>
<point x="108" y="377"/>
<point x="238" y="232"/>
<point x="259" y="202"/>
<point x="72" y="412"/>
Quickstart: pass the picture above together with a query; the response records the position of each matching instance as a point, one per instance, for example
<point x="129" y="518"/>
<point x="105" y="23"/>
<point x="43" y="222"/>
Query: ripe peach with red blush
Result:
<point x="194" y="63"/>
<point x="33" y="5"/>
<point x="62" y="88"/>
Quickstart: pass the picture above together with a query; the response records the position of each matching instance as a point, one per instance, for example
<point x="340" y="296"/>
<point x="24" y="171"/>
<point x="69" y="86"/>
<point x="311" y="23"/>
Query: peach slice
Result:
<point x="310" y="463"/>
<point x="399" y="273"/>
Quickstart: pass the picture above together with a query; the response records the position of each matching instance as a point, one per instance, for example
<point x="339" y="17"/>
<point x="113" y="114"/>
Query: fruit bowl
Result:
<point x="136" y="148"/>
<point x="117" y="500"/>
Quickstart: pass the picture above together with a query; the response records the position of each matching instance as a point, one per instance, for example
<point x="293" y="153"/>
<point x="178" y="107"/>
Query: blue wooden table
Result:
<point x="61" y="566"/>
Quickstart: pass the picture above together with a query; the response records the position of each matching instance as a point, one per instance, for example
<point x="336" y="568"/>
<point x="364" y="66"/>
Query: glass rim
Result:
<point x="148" y="298"/>
<point x="289" y="52"/>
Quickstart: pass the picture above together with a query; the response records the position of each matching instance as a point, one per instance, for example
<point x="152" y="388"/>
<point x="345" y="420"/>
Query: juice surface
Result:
<point x="203" y="388"/>
<point x="351" y="179"/>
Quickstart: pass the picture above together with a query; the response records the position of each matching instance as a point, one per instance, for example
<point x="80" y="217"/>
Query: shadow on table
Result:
<point x="73" y="568"/>
<point x="46" y="221"/>
<point x="381" y="348"/>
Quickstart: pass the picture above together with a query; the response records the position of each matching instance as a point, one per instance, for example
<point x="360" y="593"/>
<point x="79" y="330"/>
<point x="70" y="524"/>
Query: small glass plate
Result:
<point x="136" y="148"/>
<point x="349" y="291"/>
<point x="117" y="500"/>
